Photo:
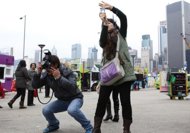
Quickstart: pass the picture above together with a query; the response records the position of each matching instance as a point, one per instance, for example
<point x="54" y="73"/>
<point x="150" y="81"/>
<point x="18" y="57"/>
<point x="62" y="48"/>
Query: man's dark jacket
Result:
<point x="65" y="88"/>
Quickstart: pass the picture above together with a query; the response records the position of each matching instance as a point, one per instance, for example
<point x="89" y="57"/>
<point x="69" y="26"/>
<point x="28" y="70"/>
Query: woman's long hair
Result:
<point x="21" y="64"/>
<point x="109" y="50"/>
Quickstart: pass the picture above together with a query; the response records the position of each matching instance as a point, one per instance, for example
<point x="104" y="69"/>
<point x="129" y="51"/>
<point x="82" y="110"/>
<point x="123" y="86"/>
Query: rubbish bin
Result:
<point x="177" y="85"/>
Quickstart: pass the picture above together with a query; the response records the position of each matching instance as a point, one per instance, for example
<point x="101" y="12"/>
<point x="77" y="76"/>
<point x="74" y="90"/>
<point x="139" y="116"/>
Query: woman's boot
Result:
<point x="116" y="117"/>
<point x="22" y="105"/>
<point x="126" y="126"/>
<point x="10" y="103"/>
<point x="97" y="125"/>
<point x="109" y="114"/>
<point x="116" y="111"/>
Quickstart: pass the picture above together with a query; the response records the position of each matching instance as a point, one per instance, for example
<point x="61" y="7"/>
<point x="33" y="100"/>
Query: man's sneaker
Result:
<point x="89" y="131"/>
<point x="51" y="129"/>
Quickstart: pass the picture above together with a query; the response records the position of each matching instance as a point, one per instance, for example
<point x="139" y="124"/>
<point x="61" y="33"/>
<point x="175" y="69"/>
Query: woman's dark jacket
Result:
<point x="65" y="88"/>
<point x="22" y="77"/>
<point x="123" y="49"/>
<point x="31" y="74"/>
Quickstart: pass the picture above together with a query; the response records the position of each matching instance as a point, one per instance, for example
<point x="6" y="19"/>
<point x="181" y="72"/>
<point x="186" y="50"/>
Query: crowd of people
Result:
<point x="62" y="81"/>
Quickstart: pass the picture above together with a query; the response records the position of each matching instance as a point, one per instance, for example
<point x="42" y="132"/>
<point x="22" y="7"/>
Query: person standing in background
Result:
<point x="22" y="78"/>
<point x="116" y="107"/>
<point x="31" y="73"/>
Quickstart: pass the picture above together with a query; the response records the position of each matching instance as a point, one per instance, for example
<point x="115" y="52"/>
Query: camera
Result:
<point x="46" y="63"/>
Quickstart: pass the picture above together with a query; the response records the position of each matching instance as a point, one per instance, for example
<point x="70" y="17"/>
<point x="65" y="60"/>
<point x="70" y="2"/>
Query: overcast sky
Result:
<point x="61" y="23"/>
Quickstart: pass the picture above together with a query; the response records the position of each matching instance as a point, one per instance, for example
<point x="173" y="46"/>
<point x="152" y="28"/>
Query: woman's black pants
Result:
<point x="30" y="97"/>
<point x="125" y="98"/>
<point x="20" y="92"/>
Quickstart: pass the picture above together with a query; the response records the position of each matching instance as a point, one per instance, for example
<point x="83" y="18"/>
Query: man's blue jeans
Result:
<point x="72" y="107"/>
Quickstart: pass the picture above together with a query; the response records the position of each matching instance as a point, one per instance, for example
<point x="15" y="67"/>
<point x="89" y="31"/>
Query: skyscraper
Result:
<point x="37" y="56"/>
<point x="147" y="53"/>
<point x="92" y="57"/>
<point x="76" y="51"/>
<point x="92" y="53"/>
<point x="178" y="18"/>
<point x="163" y="48"/>
<point x="54" y="51"/>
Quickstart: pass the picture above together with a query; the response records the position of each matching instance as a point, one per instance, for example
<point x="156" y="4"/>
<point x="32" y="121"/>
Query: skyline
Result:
<point x="62" y="24"/>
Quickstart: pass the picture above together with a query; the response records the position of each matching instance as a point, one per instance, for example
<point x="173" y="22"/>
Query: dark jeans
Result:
<point x="125" y="98"/>
<point x="30" y="97"/>
<point x="20" y="92"/>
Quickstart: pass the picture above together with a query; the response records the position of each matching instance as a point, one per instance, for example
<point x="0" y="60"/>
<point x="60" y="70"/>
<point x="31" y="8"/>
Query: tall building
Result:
<point x="37" y="56"/>
<point x="92" y="57"/>
<point x="163" y="46"/>
<point x="54" y="51"/>
<point x="147" y="53"/>
<point x="76" y="51"/>
<point x="156" y="61"/>
<point x="178" y="18"/>
<point x="92" y="53"/>
<point x="12" y="51"/>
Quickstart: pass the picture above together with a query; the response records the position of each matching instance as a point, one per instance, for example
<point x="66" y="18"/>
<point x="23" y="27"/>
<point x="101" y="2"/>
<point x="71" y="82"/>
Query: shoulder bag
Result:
<point x="112" y="71"/>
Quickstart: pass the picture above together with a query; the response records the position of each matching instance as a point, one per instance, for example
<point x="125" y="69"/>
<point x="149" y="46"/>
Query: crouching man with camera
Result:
<point x="69" y="98"/>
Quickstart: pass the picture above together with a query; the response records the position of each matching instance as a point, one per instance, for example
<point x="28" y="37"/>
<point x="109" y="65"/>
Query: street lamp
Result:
<point x="24" y="17"/>
<point x="41" y="47"/>
<point x="133" y="57"/>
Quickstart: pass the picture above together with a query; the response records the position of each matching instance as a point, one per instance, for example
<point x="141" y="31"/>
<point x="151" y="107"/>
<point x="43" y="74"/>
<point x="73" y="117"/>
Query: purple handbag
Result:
<point x="112" y="71"/>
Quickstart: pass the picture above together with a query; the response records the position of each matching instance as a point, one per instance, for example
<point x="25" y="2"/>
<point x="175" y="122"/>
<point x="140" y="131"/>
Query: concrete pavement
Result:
<point x="153" y="112"/>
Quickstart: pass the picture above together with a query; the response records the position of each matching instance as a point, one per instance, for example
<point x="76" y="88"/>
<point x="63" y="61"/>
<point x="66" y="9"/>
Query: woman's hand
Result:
<point x="98" y="88"/>
<point x="103" y="16"/>
<point x="105" y="5"/>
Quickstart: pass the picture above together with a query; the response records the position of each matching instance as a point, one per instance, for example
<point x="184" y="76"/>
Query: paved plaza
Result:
<point x="153" y="112"/>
